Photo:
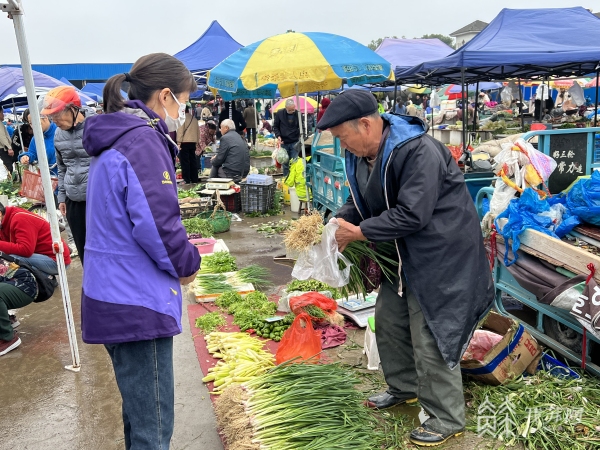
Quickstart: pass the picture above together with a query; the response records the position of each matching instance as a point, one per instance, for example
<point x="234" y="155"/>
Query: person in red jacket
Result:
<point x="27" y="235"/>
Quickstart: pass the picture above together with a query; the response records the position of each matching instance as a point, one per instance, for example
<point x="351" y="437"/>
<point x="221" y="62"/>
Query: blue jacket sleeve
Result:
<point x="31" y="152"/>
<point x="153" y="208"/>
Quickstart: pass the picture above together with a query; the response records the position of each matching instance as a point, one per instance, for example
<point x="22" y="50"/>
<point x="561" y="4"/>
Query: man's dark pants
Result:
<point x="11" y="297"/>
<point x="189" y="164"/>
<point x="292" y="153"/>
<point x="412" y="362"/>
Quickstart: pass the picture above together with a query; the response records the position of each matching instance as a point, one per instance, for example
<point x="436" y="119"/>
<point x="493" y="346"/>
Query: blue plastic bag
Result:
<point x="531" y="212"/>
<point x="583" y="199"/>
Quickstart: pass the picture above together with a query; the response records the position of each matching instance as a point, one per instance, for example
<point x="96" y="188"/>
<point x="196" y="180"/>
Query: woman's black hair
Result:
<point x="25" y="116"/>
<point x="149" y="74"/>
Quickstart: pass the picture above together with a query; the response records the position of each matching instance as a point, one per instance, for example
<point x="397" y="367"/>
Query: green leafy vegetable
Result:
<point x="199" y="226"/>
<point x="210" y="322"/>
<point x="218" y="262"/>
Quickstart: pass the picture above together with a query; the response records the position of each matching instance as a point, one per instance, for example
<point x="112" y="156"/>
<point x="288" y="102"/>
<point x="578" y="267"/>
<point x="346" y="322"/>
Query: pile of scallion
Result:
<point x="542" y="411"/>
<point x="216" y="283"/>
<point x="298" y="406"/>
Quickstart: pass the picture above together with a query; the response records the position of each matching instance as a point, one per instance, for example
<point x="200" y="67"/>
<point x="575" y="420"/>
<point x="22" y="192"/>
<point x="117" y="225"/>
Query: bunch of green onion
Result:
<point x="218" y="262"/>
<point x="309" y="406"/>
<point x="355" y="252"/>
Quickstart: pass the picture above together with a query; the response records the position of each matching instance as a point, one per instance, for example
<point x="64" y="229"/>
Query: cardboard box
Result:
<point x="517" y="352"/>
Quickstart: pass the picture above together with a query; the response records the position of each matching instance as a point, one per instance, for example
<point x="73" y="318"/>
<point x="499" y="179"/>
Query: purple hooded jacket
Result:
<point x="136" y="247"/>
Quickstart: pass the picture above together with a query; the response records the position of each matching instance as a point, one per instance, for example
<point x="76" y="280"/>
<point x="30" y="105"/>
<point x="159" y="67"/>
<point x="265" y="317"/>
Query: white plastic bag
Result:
<point x="321" y="261"/>
<point x="506" y="96"/>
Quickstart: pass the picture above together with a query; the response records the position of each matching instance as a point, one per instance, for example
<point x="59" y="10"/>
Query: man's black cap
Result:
<point x="349" y="105"/>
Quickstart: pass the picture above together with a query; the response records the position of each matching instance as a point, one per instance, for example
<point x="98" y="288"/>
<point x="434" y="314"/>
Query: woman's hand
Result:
<point x="62" y="207"/>
<point x="24" y="160"/>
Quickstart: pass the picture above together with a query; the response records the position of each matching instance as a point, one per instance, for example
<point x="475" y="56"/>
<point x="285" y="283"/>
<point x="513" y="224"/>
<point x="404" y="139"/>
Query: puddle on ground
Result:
<point x="415" y="412"/>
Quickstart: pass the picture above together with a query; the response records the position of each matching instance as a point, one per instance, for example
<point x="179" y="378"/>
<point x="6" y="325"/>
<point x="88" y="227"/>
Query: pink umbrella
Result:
<point x="308" y="104"/>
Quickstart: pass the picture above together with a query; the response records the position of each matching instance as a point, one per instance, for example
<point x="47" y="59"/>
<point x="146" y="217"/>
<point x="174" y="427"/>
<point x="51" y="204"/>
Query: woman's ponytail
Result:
<point x="113" y="100"/>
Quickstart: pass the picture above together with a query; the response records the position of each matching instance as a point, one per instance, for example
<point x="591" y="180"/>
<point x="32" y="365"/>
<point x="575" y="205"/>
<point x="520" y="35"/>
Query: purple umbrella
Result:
<point x="12" y="84"/>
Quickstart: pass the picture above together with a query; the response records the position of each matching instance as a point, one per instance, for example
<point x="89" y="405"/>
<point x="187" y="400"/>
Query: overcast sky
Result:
<point x="71" y="31"/>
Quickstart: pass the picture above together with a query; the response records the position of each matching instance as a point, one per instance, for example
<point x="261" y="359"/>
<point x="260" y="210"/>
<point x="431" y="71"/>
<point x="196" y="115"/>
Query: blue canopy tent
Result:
<point x="210" y="49"/>
<point x="406" y="53"/>
<point x="518" y="43"/>
<point x="96" y="89"/>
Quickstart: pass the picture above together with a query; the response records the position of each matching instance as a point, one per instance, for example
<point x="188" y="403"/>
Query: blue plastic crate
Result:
<point x="263" y="180"/>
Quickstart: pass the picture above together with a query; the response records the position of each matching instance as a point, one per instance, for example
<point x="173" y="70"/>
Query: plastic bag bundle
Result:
<point x="321" y="262"/>
<point x="328" y="305"/>
<point x="548" y="216"/>
<point x="583" y="199"/>
<point x="281" y="156"/>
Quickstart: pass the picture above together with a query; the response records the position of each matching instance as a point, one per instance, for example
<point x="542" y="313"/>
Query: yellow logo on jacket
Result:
<point x="167" y="178"/>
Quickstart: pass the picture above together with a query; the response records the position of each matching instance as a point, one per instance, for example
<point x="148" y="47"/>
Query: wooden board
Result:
<point x="556" y="252"/>
<point x="588" y="230"/>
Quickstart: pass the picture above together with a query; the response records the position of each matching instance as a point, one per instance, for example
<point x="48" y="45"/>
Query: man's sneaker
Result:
<point x="7" y="346"/>
<point x="14" y="322"/>
<point x="425" y="436"/>
<point x="386" y="400"/>
<point x="73" y="251"/>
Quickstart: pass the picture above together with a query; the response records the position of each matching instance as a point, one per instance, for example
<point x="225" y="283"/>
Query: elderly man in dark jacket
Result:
<point x="233" y="158"/>
<point x="406" y="188"/>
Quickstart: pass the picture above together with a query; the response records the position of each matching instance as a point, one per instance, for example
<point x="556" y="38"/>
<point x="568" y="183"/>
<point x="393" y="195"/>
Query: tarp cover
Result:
<point x="521" y="43"/>
<point x="209" y="50"/>
<point x="406" y="53"/>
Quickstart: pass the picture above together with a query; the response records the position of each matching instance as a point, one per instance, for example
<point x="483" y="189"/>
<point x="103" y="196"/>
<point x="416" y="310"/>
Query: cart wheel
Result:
<point x="40" y="210"/>
<point x="563" y="334"/>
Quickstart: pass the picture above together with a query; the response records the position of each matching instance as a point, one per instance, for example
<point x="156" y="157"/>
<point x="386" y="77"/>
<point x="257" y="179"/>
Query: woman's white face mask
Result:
<point x="174" y="124"/>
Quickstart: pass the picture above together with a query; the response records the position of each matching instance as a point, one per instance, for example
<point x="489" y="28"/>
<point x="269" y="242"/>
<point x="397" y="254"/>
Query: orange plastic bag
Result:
<point x="327" y="304"/>
<point x="299" y="341"/>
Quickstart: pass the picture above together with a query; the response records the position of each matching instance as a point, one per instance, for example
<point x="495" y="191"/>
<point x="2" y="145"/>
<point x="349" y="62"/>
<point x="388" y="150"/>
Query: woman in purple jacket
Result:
<point x="137" y="252"/>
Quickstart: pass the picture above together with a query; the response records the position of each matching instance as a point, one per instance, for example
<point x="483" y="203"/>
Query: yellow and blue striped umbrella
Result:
<point x="312" y="61"/>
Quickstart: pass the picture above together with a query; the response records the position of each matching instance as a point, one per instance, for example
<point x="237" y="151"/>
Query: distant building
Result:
<point x="597" y="15"/>
<point x="466" y="33"/>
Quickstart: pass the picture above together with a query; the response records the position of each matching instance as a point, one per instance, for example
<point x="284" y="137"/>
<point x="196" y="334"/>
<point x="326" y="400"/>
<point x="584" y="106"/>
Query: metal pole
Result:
<point x="306" y="113"/>
<point x="302" y="138"/>
<point x="596" y="110"/>
<point x="395" y="94"/>
<point x="432" y="125"/>
<point x="465" y="117"/>
<point x="476" y="113"/>
<point x="521" y="106"/>
<point x="15" y="11"/>
<point x="255" y="123"/>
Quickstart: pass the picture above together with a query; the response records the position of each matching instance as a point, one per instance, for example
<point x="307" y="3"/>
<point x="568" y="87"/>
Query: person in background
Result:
<point x="232" y="159"/>
<point x="296" y="178"/>
<point x="24" y="131"/>
<point x="188" y="140"/>
<point x="198" y="111"/>
<point x="137" y="251"/>
<point x="207" y="137"/>
<point x="63" y="106"/>
<point x="287" y="129"/>
<point x="399" y="108"/>
<point x="425" y="102"/>
<point x="268" y="111"/>
<point x="236" y="116"/>
<point x="266" y="127"/>
<point x="259" y="108"/>
<point x="324" y="104"/>
<point x="380" y="107"/>
<point x="206" y="113"/>
<point x="10" y="127"/>
<point x="6" y="151"/>
<point x="31" y="155"/>
<point x="411" y="110"/>
<point x="406" y="188"/>
<point x="251" y="119"/>
<point x="484" y="97"/>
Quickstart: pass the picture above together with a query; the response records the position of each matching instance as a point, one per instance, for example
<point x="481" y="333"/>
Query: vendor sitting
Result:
<point x="296" y="178"/>
<point x="233" y="158"/>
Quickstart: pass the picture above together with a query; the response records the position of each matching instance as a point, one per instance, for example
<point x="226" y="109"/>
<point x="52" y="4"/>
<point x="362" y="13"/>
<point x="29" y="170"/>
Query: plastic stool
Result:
<point x="370" y="346"/>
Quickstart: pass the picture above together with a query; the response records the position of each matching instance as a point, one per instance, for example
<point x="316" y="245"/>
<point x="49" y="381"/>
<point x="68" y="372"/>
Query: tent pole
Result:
<point x="13" y="8"/>
<point x="432" y="129"/>
<point x="596" y="110"/>
<point x="306" y="114"/>
<point x="395" y="94"/>
<point x="318" y="104"/>
<point x="302" y="138"/>
<point x="476" y="113"/>
<point x="521" y="106"/>
<point x="465" y="110"/>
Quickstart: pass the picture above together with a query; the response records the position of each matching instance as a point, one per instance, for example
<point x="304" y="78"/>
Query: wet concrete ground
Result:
<point x="49" y="408"/>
